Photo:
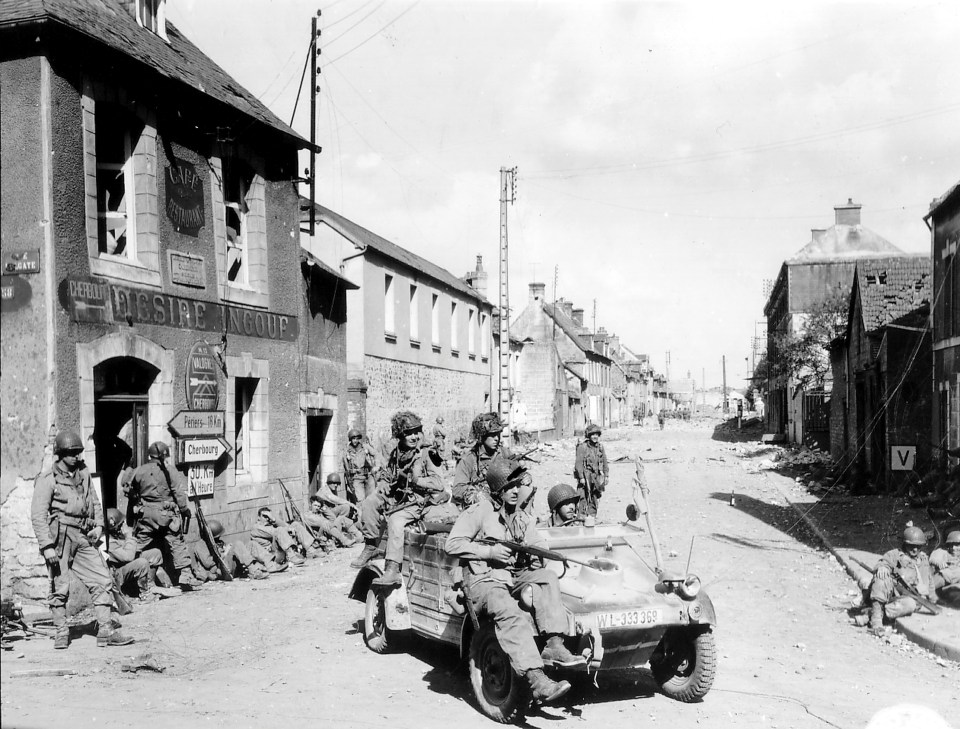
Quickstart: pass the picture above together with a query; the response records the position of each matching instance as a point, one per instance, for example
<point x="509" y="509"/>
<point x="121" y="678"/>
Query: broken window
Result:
<point x="151" y="15"/>
<point x="117" y="133"/>
<point x="237" y="181"/>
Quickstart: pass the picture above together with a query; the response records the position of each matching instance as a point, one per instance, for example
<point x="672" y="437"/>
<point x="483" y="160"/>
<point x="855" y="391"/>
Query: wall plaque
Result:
<point x="184" y="198"/>
<point x="187" y="270"/>
<point x="17" y="262"/>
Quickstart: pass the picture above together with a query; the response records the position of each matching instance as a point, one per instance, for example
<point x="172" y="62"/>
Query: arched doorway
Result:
<point x="121" y="387"/>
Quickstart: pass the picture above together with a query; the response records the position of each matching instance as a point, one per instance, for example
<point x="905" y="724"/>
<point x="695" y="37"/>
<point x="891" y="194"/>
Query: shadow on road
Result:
<point x="751" y="430"/>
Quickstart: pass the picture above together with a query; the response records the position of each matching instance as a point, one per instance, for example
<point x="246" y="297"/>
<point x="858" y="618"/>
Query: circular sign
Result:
<point x="203" y="392"/>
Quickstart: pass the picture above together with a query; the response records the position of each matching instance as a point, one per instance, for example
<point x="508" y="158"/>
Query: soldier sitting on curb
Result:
<point x="888" y="598"/>
<point x="133" y="571"/>
<point x="945" y="568"/>
<point x="331" y="519"/>
<point x="236" y="558"/>
<point x="563" y="502"/>
<point x="271" y="542"/>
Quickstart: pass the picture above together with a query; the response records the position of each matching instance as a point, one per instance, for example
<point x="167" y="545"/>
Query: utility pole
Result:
<point x="703" y="389"/>
<point x="507" y="196"/>
<point x="726" y="406"/>
<point x="314" y="70"/>
<point x="594" y="316"/>
<point x="556" y="276"/>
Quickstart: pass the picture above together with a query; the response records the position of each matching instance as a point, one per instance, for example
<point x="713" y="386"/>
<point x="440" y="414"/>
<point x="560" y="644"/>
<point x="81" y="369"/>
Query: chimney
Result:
<point x="848" y="214"/>
<point x="477" y="279"/>
<point x="577" y="316"/>
<point x="567" y="308"/>
<point x="817" y="234"/>
<point x="614" y="346"/>
<point x="537" y="291"/>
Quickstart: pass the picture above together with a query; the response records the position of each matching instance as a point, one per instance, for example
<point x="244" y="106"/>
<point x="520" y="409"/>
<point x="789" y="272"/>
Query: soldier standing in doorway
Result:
<point x="359" y="466"/>
<point x="161" y="511"/>
<point x="67" y="518"/>
<point x="591" y="470"/>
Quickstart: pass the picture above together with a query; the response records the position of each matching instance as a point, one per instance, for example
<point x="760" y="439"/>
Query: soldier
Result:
<point x="330" y="516"/>
<point x="469" y="477"/>
<point x="945" y="566"/>
<point x="440" y="439"/>
<point x="235" y="557"/>
<point x="272" y="542"/>
<point x="591" y="470"/>
<point x="661" y="418"/>
<point x="359" y="466"/>
<point x="495" y="580"/>
<point x="410" y="483"/>
<point x="134" y="571"/>
<point x="887" y="596"/>
<point x="161" y="512"/>
<point x="564" y="502"/>
<point x="66" y="519"/>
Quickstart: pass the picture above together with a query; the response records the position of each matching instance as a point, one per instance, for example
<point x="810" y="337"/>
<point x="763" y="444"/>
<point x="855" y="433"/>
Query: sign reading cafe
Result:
<point x="184" y="197"/>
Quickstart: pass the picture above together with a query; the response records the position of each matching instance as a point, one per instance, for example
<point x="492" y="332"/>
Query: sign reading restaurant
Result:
<point x="126" y="305"/>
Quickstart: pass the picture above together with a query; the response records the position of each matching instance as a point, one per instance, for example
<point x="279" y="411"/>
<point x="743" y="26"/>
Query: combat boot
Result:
<point x="543" y="689"/>
<point x="62" y="639"/>
<point x="146" y="594"/>
<point x="390" y="577"/>
<point x="255" y="572"/>
<point x="556" y="653"/>
<point x="187" y="581"/>
<point x="368" y="553"/>
<point x="293" y="557"/>
<point x="315" y="552"/>
<point x="274" y="567"/>
<point x="876" y="617"/>
<point x="110" y="637"/>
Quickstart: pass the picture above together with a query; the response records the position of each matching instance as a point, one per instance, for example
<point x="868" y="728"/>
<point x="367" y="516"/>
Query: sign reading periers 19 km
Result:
<point x="203" y="391"/>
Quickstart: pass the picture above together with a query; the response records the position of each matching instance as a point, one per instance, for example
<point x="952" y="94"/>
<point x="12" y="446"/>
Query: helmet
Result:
<point x="486" y="424"/>
<point x="354" y="433"/>
<point x="333" y="478"/>
<point x="560" y="494"/>
<point x="215" y="527"/>
<point x="914" y="536"/>
<point x="953" y="537"/>
<point x="404" y="422"/>
<point x="158" y="449"/>
<point x="67" y="440"/>
<point x="502" y="472"/>
<point x="114" y="518"/>
<point x="591" y="429"/>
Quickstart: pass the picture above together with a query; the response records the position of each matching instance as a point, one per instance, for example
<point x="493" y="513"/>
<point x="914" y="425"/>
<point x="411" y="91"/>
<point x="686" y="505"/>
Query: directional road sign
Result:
<point x="202" y="450"/>
<point x="191" y="423"/>
<point x="200" y="480"/>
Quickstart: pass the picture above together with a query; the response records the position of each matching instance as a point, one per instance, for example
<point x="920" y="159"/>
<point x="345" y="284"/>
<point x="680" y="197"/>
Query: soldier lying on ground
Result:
<point x="496" y="580"/>
<point x="563" y="502"/>
<point x="945" y="569"/>
<point x="237" y="558"/>
<point x="888" y="598"/>
<point x="133" y="571"/>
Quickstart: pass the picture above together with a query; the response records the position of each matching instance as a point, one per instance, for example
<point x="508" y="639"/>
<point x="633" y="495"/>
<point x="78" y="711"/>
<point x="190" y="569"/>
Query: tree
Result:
<point x="804" y="356"/>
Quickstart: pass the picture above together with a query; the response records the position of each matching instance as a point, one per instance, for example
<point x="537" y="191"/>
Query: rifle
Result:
<point x="543" y="553"/>
<point x="525" y="456"/>
<point x="123" y="605"/>
<point x="910" y="592"/>
<point x="211" y="543"/>
<point x="293" y="511"/>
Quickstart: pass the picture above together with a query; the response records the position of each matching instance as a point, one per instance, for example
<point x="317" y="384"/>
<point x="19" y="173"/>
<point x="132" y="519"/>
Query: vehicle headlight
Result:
<point x="690" y="587"/>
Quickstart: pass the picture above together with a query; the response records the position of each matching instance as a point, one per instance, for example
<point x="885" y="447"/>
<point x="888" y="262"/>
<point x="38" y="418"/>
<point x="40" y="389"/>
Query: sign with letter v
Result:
<point x="902" y="458"/>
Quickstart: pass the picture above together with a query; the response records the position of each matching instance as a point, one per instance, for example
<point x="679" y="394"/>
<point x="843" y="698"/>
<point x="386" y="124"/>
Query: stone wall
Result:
<point x="538" y="368"/>
<point x="427" y="391"/>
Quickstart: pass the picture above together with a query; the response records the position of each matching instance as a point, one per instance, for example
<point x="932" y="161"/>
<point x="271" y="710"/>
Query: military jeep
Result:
<point x="622" y="613"/>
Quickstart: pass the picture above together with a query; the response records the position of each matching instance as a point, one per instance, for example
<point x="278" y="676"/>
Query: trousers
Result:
<point x="77" y="555"/>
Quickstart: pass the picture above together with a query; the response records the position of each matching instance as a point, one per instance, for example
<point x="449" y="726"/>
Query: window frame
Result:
<point x="389" y="307"/>
<point x="454" y="327"/>
<point x="414" y="313"/>
<point x="435" y="321"/>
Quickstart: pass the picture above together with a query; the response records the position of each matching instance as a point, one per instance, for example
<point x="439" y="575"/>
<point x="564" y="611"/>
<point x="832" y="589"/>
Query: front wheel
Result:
<point x="501" y="694"/>
<point x="685" y="663"/>
<point x="375" y="632"/>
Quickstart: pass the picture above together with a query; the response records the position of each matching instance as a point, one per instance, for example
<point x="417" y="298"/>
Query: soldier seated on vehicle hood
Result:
<point x="496" y="580"/>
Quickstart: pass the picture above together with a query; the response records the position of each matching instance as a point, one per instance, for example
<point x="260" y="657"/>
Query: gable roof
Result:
<point x="107" y="22"/>
<point x="842" y="242"/>
<point x="892" y="288"/>
<point x="364" y="238"/>
<point x="570" y="328"/>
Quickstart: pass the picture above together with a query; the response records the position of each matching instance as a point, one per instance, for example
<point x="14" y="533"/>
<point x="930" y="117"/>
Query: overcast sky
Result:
<point x="670" y="155"/>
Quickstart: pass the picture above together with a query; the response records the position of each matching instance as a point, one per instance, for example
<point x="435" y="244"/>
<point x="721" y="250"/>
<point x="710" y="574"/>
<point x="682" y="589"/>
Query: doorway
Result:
<point x="121" y="422"/>
<point x="318" y="425"/>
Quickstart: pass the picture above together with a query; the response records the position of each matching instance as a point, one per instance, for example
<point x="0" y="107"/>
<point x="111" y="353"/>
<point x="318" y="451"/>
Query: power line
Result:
<point x="347" y="31"/>
<point x="371" y="37"/>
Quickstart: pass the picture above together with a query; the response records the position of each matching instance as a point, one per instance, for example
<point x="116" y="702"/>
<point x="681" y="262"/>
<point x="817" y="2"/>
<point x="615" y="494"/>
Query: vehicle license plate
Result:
<point x="629" y="619"/>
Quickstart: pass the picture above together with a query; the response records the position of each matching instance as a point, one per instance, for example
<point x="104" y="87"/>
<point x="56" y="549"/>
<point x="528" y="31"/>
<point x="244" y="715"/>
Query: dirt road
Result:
<point x="287" y="651"/>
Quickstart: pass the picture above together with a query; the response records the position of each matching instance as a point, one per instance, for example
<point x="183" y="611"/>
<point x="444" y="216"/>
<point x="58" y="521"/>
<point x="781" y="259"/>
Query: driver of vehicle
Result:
<point x="496" y="580"/>
<point x="563" y="501"/>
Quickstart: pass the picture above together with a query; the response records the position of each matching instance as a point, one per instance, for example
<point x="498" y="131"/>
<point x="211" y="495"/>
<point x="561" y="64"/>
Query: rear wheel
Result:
<point x="685" y="663"/>
<point x="501" y="693"/>
<point x="375" y="632"/>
